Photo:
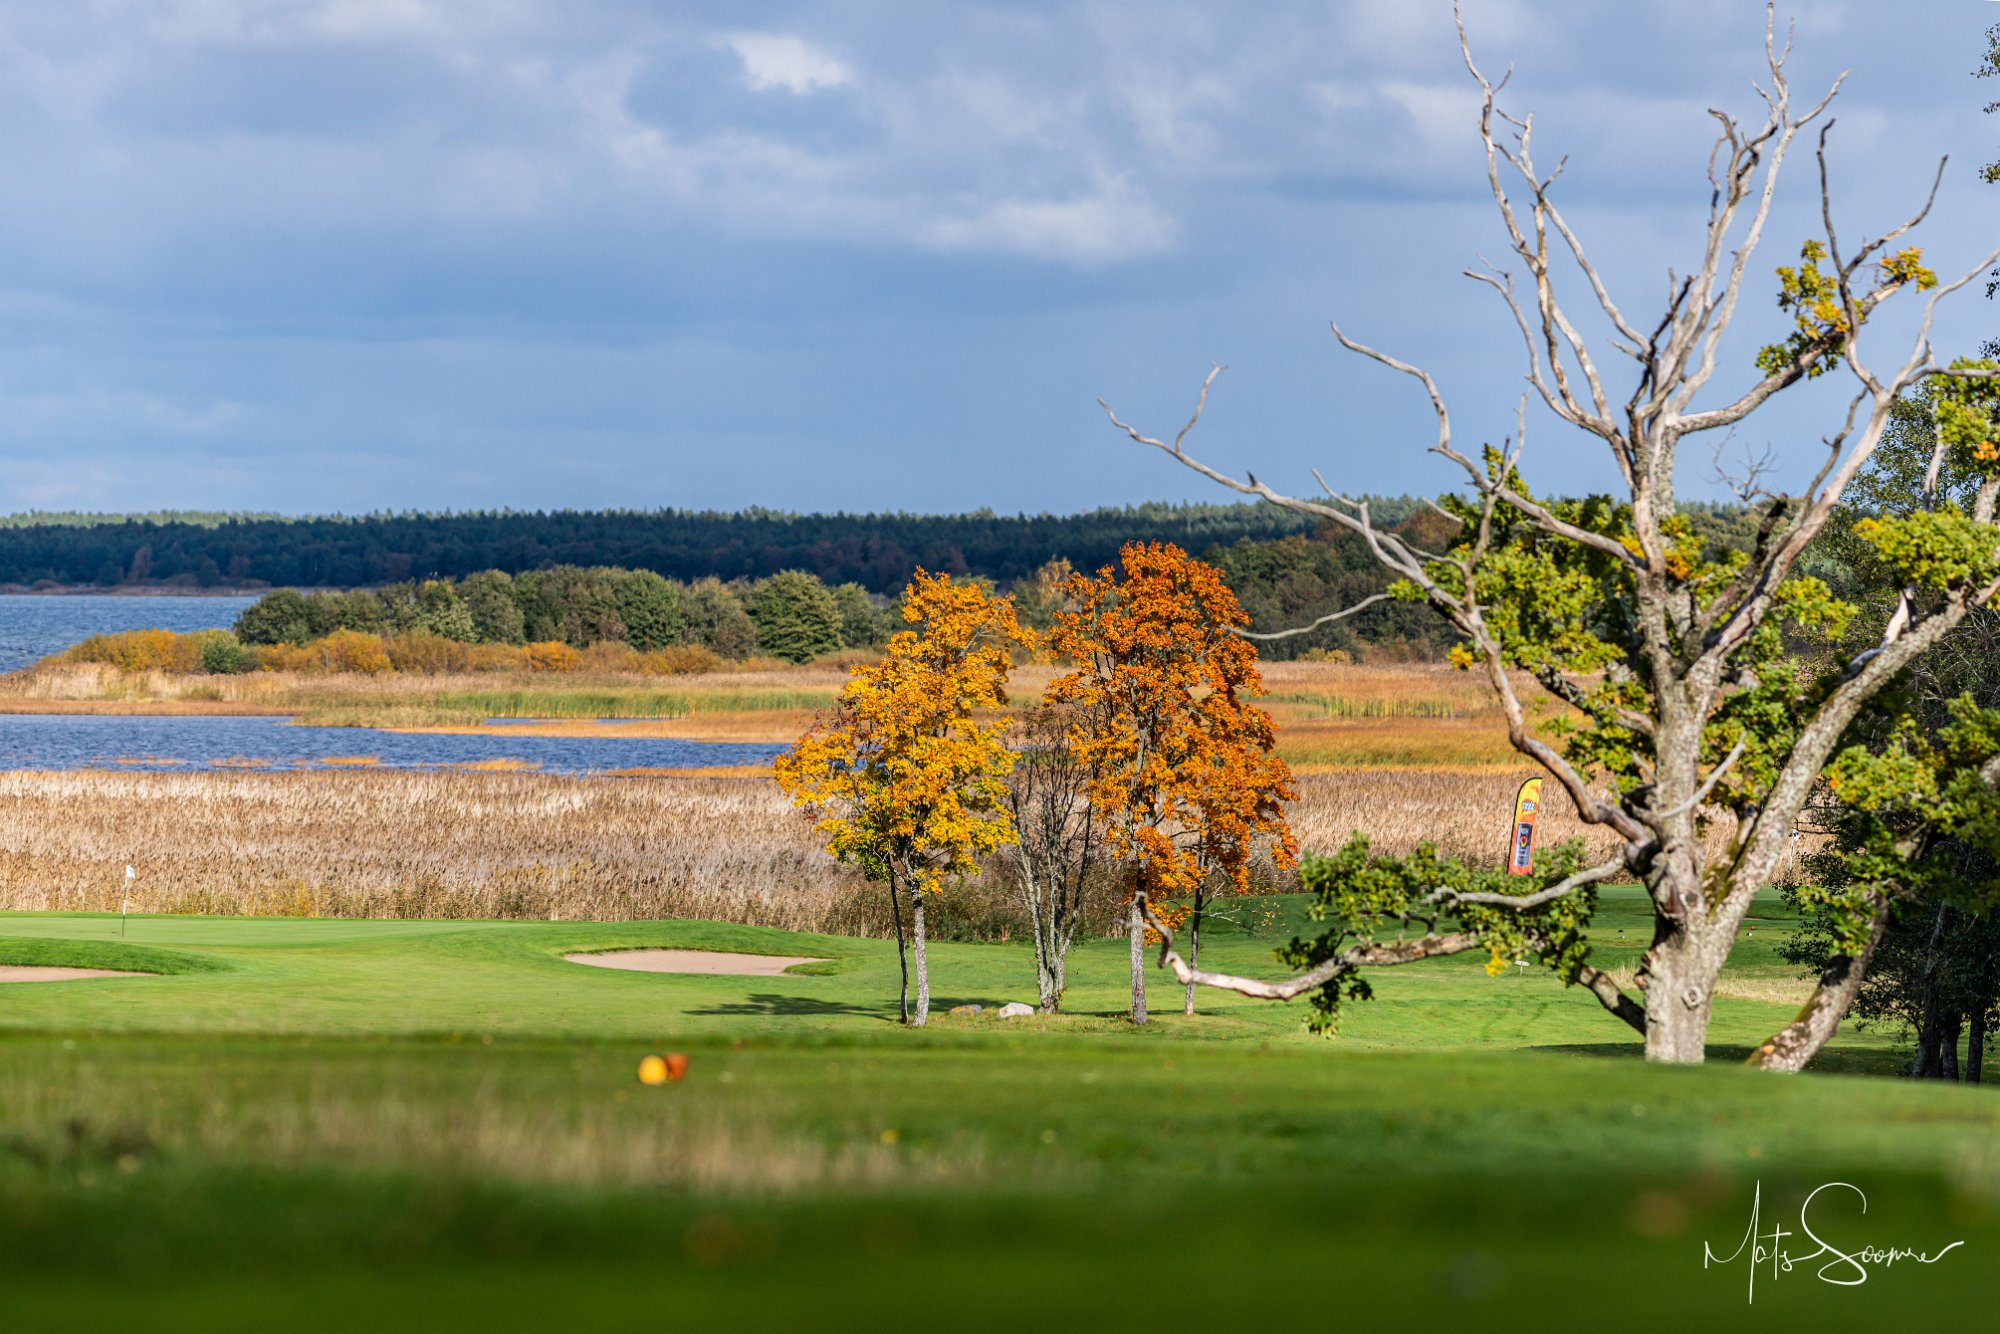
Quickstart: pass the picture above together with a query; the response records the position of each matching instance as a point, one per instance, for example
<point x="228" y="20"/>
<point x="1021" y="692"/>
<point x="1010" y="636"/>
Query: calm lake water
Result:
<point x="34" y="625"/>
<point x="88" y="741"/>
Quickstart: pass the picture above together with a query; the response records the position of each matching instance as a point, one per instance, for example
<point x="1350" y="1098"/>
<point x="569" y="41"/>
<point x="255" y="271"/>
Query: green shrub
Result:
<point x="221" y="653"/>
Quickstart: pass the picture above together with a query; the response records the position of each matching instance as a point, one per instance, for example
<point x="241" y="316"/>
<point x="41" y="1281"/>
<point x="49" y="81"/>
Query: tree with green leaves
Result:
<point x="489" y="600"/>
<point x="1686" y="728"/>
<point x="860" y="626"/>
<point x="649" y="608"/>
<point x="716" y="619"/>
<point x="279" y="617"/>
<point x="575" y="604"/>
<point x="796" y="616"/>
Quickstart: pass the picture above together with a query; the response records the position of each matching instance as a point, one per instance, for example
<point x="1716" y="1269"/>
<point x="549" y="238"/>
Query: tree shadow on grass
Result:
<point x="1634" y="1048"/>
<point x="779" y="1003"/>
<point x="1838" y="1061"/>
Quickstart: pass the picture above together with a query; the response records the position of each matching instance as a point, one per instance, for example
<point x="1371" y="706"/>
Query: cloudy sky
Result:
<point x="315" y="255"/>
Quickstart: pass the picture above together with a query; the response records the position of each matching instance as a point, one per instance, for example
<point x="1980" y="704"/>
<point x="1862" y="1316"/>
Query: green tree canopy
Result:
<point x="796" y="616"/>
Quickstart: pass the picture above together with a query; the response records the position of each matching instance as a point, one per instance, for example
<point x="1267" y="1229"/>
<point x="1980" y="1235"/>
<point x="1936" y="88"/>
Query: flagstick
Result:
<point x="125" y="899"/>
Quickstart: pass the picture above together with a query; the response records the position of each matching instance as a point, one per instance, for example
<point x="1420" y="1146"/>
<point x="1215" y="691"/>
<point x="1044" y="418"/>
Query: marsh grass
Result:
<point x="374" y="843"/>
<point x="369" y="842"/>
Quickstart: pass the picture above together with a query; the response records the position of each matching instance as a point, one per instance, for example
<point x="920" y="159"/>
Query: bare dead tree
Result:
<point x="1058" y="847"/>
<point x="1692" y="642"/>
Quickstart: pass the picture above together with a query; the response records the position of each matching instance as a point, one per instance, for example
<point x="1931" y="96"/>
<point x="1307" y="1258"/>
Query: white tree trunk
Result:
<point x="1135" y="927"/>
<point x="922" y="1012"/>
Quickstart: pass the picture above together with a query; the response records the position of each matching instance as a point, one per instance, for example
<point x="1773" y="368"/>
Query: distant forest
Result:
<point x="1286" y="571"/>
<point x="877" y="551"/>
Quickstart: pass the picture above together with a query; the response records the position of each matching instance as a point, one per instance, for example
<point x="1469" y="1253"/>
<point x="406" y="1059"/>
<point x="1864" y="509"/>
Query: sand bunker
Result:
<point x="691" y="961"/>
<point x="21" y="972"/>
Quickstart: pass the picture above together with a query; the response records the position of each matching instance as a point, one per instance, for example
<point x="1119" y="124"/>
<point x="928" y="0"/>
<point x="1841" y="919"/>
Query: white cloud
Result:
<point x="781" y="60"/>
<point x="1115" y="223"/>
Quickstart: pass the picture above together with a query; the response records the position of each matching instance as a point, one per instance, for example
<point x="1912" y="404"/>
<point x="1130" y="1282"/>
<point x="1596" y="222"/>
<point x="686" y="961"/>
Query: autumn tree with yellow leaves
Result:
<point x="907" y="777"/>
<point x="1184" y="779"/>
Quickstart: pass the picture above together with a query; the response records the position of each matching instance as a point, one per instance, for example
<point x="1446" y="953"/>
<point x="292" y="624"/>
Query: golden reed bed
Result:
<point x="376" y="843"/>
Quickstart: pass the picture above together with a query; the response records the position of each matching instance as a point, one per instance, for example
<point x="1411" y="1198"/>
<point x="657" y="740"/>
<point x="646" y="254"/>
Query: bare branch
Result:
<point x="1708" y="785"/>
<point x="1327" y="619"/>
<point x="1496" y="486"/>
<point x="1365" y="955"/>
<point x="1449" y="898"/>
<point x="1613" y="998"/>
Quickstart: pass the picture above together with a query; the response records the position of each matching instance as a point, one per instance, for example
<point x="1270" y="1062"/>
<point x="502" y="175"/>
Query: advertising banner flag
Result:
<point x="1521" y="849"/>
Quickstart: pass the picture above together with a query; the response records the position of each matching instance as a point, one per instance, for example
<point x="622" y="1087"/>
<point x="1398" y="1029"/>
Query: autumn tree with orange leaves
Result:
<point x="1185" y="780"/>
<point x="907" y="777"/>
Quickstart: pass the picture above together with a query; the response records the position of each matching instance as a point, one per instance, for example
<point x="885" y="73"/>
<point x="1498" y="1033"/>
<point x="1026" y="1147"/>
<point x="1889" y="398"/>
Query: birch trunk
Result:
<point x="1135" y="928"/>
<point x="902" y="951"/>
<point x="1194" y="947"/>
<point x="923" y="1007"/>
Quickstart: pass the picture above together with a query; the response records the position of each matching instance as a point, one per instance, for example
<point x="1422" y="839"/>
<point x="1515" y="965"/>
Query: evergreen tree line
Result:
<point x="880" y="552"/>
<point x="792" y="614"/>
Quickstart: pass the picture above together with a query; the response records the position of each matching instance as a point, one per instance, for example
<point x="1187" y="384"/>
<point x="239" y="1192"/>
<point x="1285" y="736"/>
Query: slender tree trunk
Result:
<point x="1045" y="937"/>
<point x="1136" y="929"/>
<point x="923" y="1009"/>
<point x="1930" y="1026"/>
<point x="1194" y="946"/>
<point x="902" y="950"/>
<point x="1948" y="1049"/>
<point x="1975" y="1041"/>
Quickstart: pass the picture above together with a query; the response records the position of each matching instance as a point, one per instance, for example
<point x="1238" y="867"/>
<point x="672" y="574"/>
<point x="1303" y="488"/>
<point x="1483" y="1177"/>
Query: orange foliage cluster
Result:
<point x="1187" y="780"/>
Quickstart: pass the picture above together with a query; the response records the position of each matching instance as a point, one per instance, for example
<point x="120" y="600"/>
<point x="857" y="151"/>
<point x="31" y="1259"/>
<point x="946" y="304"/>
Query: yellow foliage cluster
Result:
<point x="341" y="651"/>
<point x="143" y="651"/>
<point x="907" y="777"/>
